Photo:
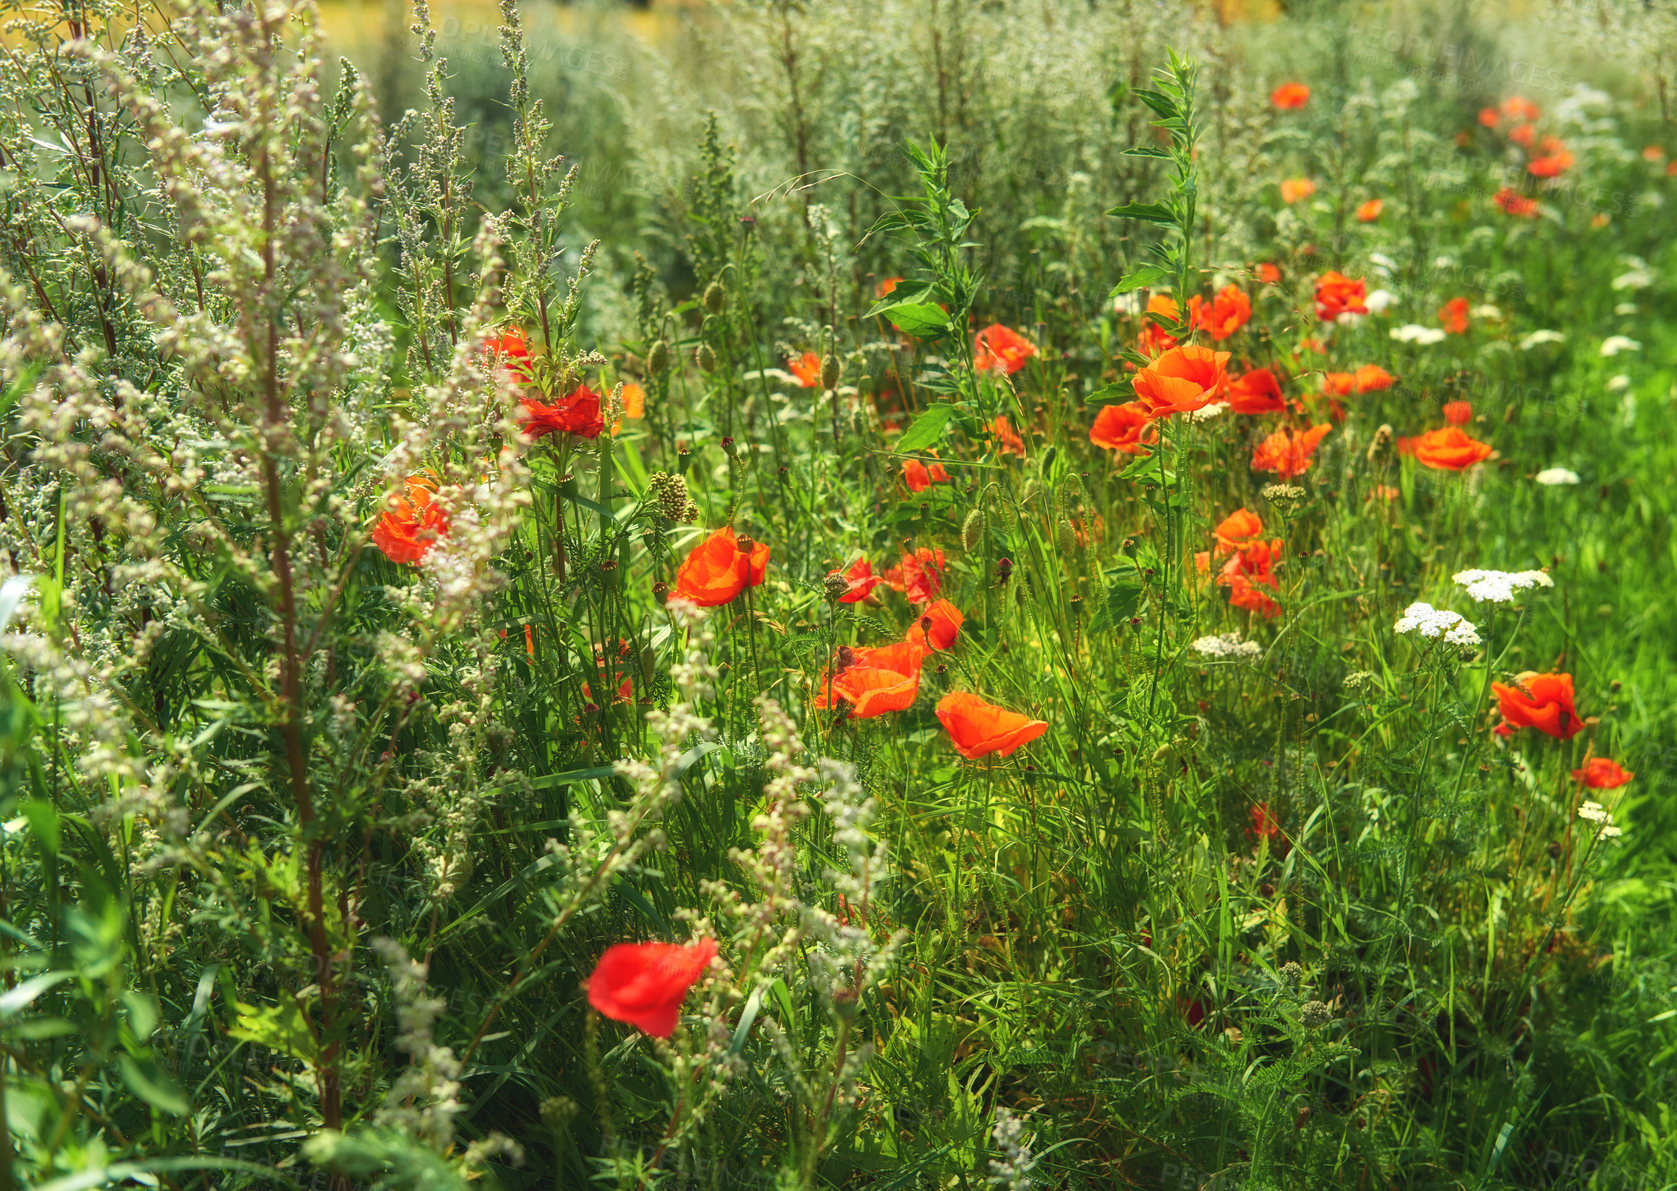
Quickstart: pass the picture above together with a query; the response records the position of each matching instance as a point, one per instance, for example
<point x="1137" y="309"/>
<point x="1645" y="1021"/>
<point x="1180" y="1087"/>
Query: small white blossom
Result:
<point x="1486" y="311"/>
<point x="1614" y="344"/>
<point x="1437" y="622"/>
<point x="1206" y="413"/>
<point x="1382" y="262"/>
<point x="1538" y="338"/>
<point x="1498" y="587"/>
<point x="1226" y="645"/>
<point x="1380" y="301"/>
<point x="1635" y="279"/>
<point x="1596" y="813"/>
<point x="1618" y="384"/>
<point x="1551" y="476"/>
<point x="1414" y="333"/>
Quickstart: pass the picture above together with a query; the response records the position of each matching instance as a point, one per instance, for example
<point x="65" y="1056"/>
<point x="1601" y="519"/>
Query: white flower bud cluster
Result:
<point x="1433" y="623"/>
<point x="1498" y="587"/>
<point x="1227" y="646"/>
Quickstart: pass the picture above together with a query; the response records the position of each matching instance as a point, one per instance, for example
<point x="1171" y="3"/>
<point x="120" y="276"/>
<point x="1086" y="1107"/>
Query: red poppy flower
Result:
<point x="412" y="523"/>
<point x="511" y="350"/>
<point x="876" y="680"/>
<point x="1653" y="153"/>
<point x="1182" y="380"/>
<point x="1449" y="449"/>
<point x="1237" y="531"/>
<point x="1125" y="428"/>
<point x="1550" y="165"/>
<point x="1517" y="107"/>
<point x="576" y="413"/>
<point x="1246" y="591"/>
<point x="807" y="368"/>
<point x="1154" y="339"/>
<point x="1338" y="384"/>
<point x="919" y="478"/>
<point x="1001" y="349"/>
<point x="1453" y="314"/>
<point x="718" y="570"/>
<point x="1490" y="117"/>
<point x="1268" y="274"/>
<point x="1229" y="311"/>
<point x="1337" y="294"/>
<point x="1007" y="439"/>
<point x="918" y="576"/>
<point x="861" y="579"/>
<point x="938" y="626"/>
<point x="1295" y="190"/>
<point x="1516" y="204"/>
<point x="1599" y="773"/>
<point x="1541" y="701"/>
<point x="1371" y="378"/>
<point x="1290" y="96"/>
<point x="644" y="984"/>
<point x="978" y="729"/>
<point x="887" y="286"/>
<point x="1458" y="413"/>
<point x="1287" y="452"/>
<point x="1258" y="392"/>
<point x="616" y="670"/>
<point x="1523" y="135"/>
<point x="1370" y="211"/>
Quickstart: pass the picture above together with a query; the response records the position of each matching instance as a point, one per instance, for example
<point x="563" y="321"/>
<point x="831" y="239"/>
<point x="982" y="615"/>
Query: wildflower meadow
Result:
<point x="890" y="594"/>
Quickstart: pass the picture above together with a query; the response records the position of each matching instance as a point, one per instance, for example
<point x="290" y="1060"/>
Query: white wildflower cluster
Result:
<point x="1596" y="813"/>
<point x="1208" y="412"/>
<point x="1498" y="587"/>
<point x="1550" y="477"/>
<point x="1415" y="333"/>
<point x="1539" y="338"/>
<point x="1379" y="301"/>
<point x="1227" y="645"/>
<point x="1012" y="1171"/>
<point x="1433" y="623"/>
<point x="425" y="1097"/>
<point x="1614" y="344"/>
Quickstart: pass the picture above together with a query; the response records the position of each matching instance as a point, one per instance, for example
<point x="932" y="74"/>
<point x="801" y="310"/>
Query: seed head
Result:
<point x="658" y="359"/>
<point x="715" y="297"/>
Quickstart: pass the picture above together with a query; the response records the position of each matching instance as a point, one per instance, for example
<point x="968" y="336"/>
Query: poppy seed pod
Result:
<point x="1065" y="538"/>
<point x="830" y="372"/>
<point x="705" y="357"/>
<point x="715" y="297"/>
<point x="658" y="359"/>
<point x="972" y="530"/>
<point x="836" y="586"/>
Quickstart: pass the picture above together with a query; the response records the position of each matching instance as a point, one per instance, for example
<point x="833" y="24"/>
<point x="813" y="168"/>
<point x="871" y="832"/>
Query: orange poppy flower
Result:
<point x="1287" y="452"/>
<point x="1599" y="773"/>
<point x="1338" y="384"/>
<point x="919" y="576"/>
<point x="1125" y="428"/>
<point x="1294" y="190"/>
<point x="1290" y="96"/>
<point x="1514" y="203"/>
<point x="718" y="570"/>
<point x="616" y="670"/>
<point x="1268" y="274"/>
<point x="1490" y="117"/>
<point x="644" y="984"/>
<point x="1007" y="439"/>
<point x="1001" y="349"/>
<point x="634" y="401"/>
<point x="1154" y="339"/>
<point x="511" y="350"/>
<point x="887" y="286"/>
<point x="861" y="579"/>
<point x="876" y="680"/>
<point x="1250" y="577"/>
<point x="1516" y="107"/>
<point x="1458" y="413"/>
<point x="576" y="413"/>
<point x="1182" y="380"/>
<point x="1337" y="294"/>
<point x="1257" y="392"/>
<point x="1370" y="211"/>
<point x="1523" y="135"/>
<point x="1229" y="311"/>
<point x="412" y="523"/>
<point x="1237" y="531"/>
<point x="1453" y="314"/>
<point x="1550" y="165"/>
<point x="939" y="625"/>
<point x="1449" y="449"/>
<point x="979" y="729"/>
<point x="1371" y="378"/>
<point x="1541" y="701"/>
<point x="1653" y="153"/>
<point x="807" y="368"/>
<point x="919" y="477"/>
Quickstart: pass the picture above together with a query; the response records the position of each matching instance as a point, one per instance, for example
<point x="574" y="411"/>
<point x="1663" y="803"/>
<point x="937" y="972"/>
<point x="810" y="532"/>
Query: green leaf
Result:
<point x="1114" y="394"/>
<point x="1146" y="151"/>
<point x="43" y="824"/>
<point x="927" y="428"/>
<point x="1146" y="212"/>
<point x="919" y="319"/>
<point x="20" y="997"/>
<point x="1146" y="275"/>
<point x="280" y="1027"/>
<point x="151" y="1083"/>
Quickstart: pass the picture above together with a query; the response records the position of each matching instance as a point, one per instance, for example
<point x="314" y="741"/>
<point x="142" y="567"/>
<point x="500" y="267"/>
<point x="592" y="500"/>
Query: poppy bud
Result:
<point x="658" y="358"/>
<point x="1064" y="537"/>
<point x="1004" y="567"/>
<point x="728" y="448"/>
<point x="745" y="543"/>
<point x="715" y="297"/>
<point x="830" y="372"/>
<point x="705" y="357"/>
<point x="660" y="592"/>
<point x="972" y="530"/>
<point x="649" y="664"/>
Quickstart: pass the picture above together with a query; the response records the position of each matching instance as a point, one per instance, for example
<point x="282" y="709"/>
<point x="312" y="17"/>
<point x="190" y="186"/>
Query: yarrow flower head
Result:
<point x="1549" y="477"/>
<point x="1437" y="622"/>
<point x="1498" y="587"/>
<point x="1414" y="333"/>
<point x="1227" y="645"/>
<point x="1596" y="813"/>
